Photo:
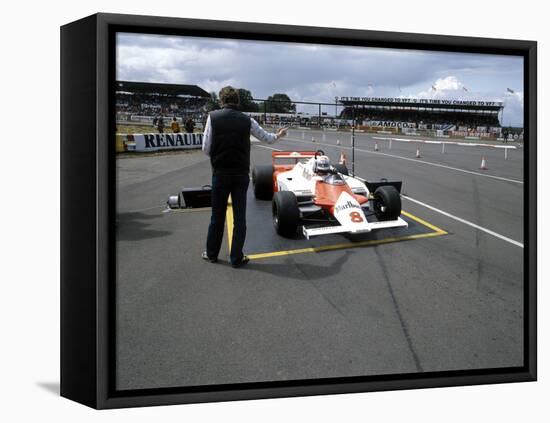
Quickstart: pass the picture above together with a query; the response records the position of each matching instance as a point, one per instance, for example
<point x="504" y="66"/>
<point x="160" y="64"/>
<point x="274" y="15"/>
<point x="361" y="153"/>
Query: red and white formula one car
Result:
<point x="306" y="190"/>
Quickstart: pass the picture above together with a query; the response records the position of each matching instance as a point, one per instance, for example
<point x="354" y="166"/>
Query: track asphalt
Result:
<point x="447" y="301"/>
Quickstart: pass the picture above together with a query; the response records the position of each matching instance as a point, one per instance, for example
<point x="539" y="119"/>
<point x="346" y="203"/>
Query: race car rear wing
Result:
<point x="372" y="185"/>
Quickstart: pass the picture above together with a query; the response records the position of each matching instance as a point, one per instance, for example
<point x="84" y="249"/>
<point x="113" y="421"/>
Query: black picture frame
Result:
<point x="87" y="209"/>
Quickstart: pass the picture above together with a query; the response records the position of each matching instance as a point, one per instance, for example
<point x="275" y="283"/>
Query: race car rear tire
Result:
<point x="286" y="214"/>
<point x="387" y="203"/>
<point x="262" y="179"/>
<point x="342" y="168"/>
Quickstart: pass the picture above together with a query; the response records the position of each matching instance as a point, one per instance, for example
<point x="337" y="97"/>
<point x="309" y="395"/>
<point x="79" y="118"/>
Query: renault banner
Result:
<point x="155" y="142"/>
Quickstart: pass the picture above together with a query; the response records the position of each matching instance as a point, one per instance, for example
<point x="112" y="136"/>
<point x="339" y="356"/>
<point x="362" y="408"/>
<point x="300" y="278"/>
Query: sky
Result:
<point x="314" y="72"/>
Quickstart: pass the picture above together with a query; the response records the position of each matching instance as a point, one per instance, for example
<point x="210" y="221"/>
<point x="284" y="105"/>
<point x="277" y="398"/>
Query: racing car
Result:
<point x="308" y="191"/>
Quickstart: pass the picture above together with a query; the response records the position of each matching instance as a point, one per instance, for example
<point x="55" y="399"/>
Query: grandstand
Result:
<point x="424" y="114"/>
<point x="429" y="117"/>
<point x="139" y="102"/>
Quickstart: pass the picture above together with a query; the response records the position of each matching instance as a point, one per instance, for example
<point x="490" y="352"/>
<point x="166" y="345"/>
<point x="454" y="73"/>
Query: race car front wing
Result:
<point x="327" y="230"/>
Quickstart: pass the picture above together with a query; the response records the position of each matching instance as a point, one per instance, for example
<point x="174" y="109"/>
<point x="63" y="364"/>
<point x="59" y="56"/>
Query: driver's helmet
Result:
<point x="322" y="164"/>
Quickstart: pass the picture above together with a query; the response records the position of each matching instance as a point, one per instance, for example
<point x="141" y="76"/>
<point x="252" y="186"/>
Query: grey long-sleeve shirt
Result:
<point x="255" y="130"/>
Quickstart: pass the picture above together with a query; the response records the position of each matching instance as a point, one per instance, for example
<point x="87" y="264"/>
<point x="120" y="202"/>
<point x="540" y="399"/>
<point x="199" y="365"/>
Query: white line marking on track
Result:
<point x="463" y="144"/>
<point x="265" y="146"/>
<point x="471" y="172"/>
<point x="466" y="222"/>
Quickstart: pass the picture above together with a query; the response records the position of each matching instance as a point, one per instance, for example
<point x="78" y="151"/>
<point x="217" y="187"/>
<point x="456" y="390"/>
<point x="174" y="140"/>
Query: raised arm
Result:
<point x="263" y="135"/>
<point x="206" y="141"/>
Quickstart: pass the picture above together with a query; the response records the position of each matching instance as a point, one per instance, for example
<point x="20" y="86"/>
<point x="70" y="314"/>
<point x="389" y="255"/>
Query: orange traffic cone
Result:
<point x="483" y="164"/>
<point x="418" y="153"/>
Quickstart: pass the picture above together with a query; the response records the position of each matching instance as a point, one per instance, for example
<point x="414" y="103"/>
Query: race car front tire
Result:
<point x="286" y="214"/>
<point x="387" y="203"/>
<point x="262" y="179"/>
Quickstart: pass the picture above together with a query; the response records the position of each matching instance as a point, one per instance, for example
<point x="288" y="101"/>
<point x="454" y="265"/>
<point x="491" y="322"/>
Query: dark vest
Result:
<point x="230" y="142"/>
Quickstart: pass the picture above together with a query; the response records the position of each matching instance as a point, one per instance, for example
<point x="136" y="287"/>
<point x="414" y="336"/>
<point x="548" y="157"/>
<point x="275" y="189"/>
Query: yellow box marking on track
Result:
<point x="423" y="222"/>
<point x="343" y="246"/>
<point x="229" y="221"/>
<point x="436" y="232"/>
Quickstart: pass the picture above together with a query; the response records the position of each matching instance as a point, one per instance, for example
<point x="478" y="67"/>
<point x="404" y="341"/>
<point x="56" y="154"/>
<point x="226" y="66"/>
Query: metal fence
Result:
<point x="297" y="114"/>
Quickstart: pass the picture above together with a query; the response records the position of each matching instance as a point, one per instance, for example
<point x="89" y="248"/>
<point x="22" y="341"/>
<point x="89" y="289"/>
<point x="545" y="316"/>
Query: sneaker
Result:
<point x="210" y="259"/>
<point x="241" y="263"/>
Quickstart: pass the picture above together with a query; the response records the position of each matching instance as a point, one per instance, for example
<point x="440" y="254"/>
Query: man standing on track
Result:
<point x="226" y="140"/>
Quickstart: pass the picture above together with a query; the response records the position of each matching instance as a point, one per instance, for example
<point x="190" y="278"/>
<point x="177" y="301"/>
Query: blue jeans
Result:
<point x="222" y="186"/>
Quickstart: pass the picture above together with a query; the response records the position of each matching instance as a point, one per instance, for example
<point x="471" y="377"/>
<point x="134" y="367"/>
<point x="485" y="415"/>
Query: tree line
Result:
<point x="276" y="103"/>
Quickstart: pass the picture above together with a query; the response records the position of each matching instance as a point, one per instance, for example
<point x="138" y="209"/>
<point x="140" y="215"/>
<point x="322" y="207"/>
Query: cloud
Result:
<point x="310" y="72"/>
<point x="451" y="88"/>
